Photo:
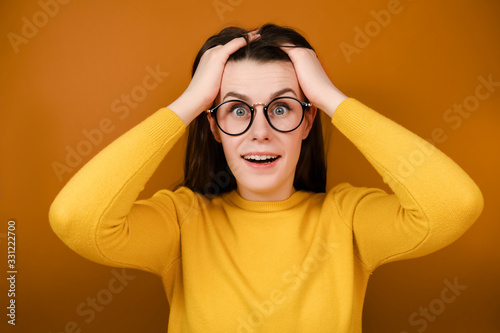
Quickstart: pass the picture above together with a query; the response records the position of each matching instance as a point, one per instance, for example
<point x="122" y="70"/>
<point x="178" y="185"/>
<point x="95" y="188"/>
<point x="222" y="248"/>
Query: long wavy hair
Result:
<point x="206" y="170"/>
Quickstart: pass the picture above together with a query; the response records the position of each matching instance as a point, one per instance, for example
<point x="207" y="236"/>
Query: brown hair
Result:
<point x="206" y="169"/>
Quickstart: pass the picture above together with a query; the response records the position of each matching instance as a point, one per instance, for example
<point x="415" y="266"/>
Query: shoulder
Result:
<point x="185" y="200"/>
<point x="344" y="198"/>
<point x="180" y="201"/>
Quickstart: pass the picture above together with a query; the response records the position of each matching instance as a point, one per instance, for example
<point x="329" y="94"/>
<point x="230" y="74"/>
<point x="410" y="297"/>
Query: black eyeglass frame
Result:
<point x="213" y="113"/>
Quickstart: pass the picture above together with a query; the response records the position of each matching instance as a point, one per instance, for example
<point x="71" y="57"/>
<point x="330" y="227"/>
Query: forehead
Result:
<point x="258" y="80"/>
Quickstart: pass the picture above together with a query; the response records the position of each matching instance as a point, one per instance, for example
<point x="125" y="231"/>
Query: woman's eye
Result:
<point x="280" y="110"/>
<point x="239" y="111"/>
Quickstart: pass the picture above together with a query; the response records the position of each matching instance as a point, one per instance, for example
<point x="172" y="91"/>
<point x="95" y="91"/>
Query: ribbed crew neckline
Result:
<point x="266" y="206"/>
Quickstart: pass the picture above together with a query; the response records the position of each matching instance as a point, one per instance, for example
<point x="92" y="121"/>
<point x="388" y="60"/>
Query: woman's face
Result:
<point x="254" y="82"/>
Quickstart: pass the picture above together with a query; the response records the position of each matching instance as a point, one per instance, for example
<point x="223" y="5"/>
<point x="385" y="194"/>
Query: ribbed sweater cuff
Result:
<point x="162" y="124"/>
<point x="351" y="116"/>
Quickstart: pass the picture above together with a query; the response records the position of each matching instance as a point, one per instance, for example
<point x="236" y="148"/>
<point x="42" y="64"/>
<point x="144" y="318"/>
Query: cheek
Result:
<point x="307" y="124"/>
<point x="292" y="144"/>
<point x="295" y="147"/>
<point x="230" y="146"/>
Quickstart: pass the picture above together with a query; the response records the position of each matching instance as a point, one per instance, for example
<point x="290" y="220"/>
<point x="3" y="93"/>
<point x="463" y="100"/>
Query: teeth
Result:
<point x="259" y="157"/>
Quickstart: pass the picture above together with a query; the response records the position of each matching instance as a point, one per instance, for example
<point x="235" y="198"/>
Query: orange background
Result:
<point x="64" y="79"/>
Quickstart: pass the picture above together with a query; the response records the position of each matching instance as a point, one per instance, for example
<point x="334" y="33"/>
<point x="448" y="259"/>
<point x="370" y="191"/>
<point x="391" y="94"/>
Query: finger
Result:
<point x="239" y="42"/>
<point x="288" y="49"/>
<point x="253" y="36"/>
<point x="223" y="51"/>
<point x="235" y="44"/>
<point x="294" y="51"/>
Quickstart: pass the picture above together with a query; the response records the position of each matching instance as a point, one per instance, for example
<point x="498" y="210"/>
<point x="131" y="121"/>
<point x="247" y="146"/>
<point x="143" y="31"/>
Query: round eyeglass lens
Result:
<point x="285" y="114"/>
<point x="234" y="117"/>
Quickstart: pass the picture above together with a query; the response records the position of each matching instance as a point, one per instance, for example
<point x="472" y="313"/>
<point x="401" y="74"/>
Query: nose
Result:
<point x="260" y="129"/>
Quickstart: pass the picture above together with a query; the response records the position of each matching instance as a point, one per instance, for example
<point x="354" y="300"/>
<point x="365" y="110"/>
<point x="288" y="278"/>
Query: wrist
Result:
<point x="186" y="108"/>
<point x="332" y="99"/>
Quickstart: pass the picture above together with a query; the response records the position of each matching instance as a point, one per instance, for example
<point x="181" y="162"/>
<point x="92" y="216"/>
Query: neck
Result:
<point x="277" y="195"/>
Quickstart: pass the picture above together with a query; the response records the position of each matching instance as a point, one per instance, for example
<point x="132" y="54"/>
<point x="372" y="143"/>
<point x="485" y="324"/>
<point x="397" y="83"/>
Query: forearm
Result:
<point x="105" y="189"/>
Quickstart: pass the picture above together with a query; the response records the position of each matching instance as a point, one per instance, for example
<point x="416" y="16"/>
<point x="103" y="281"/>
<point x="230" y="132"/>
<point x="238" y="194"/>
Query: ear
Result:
<point x="214" y="128"/>
<point x="309" y="117"/>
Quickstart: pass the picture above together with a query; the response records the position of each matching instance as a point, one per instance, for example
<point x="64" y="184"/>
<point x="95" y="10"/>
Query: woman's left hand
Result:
<point x="313" y="80"/>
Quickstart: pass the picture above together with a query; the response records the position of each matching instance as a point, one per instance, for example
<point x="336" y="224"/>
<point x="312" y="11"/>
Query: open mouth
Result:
<point x="261" y="159"/>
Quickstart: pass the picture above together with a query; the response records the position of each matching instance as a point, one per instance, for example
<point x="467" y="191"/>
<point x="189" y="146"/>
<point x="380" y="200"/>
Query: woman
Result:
<point x="251" y="242"/>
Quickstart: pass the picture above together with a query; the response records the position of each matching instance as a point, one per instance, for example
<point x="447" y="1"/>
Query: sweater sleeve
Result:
<point x="434" y="200"/>
<point x="97" y="213"/>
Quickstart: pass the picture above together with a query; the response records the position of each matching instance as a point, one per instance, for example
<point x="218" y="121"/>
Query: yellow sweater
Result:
<point x="298" y="265"/>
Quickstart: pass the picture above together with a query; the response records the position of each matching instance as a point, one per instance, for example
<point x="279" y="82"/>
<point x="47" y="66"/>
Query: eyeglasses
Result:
<point x="284" y="114"/>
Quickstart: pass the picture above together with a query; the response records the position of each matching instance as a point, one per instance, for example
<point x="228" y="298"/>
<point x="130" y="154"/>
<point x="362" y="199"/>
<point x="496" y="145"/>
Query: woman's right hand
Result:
<point x="205" y="84"/>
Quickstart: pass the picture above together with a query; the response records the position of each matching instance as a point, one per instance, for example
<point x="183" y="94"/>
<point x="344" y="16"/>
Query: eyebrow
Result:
<point x="246" y="98"/>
